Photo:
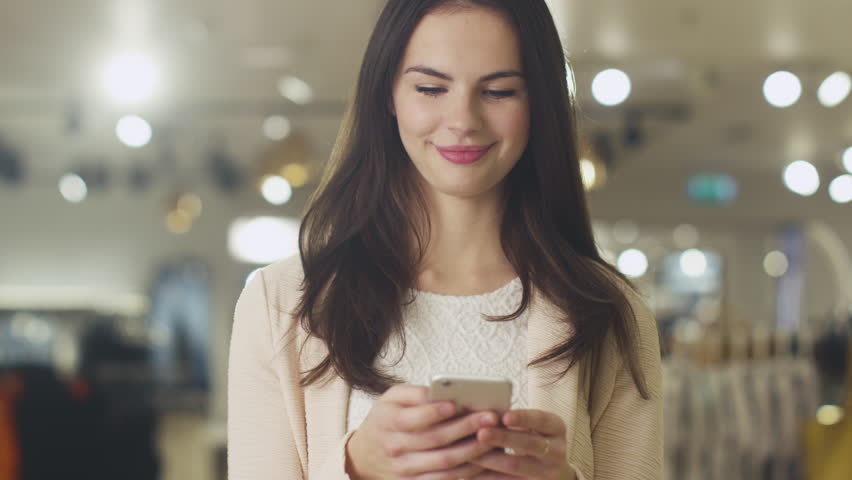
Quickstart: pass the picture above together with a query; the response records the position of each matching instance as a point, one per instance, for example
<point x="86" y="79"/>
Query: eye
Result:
<point x="500" y="93"/>
<point x="430" y="91"/>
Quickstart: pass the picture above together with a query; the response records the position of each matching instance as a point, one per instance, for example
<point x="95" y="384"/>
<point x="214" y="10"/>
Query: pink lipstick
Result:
<point x="464" y="154"/>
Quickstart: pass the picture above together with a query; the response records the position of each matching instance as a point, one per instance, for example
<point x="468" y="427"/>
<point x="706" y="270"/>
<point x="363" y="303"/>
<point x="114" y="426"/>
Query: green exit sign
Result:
<point x="712" y="189"/>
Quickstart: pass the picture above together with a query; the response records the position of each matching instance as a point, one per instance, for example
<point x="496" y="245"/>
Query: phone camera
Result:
<point x="446" y="383"/>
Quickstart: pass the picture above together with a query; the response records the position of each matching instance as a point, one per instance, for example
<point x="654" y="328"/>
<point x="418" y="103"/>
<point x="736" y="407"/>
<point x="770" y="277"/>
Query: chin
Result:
<point x="462" y="189"/>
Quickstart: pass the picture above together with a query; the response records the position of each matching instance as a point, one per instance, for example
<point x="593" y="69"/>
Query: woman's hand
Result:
<point x="538" y="440"/>
<point x="406" y="436"/>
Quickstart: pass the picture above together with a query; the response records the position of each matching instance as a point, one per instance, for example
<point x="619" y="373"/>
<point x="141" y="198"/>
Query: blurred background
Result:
<point x="153" y="154"/>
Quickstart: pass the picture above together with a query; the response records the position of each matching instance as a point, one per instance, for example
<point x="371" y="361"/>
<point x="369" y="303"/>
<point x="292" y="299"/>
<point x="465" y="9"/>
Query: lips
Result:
<point x="464" y="154"/>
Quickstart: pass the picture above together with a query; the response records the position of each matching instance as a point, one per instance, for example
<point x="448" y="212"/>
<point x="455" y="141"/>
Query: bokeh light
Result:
<point x="840" y="189"/>
<point x="276" y="127"/>
<point x="802" y="178"/>
<point x="782" y="89"/>
<point x="693" y="263"/>
<point x="775" y="264"/>
<point x="611" y="87"/>
<point x="133" y="131"/>
<point x="130" y="78"/>
<point x="834" y="89"/>
<point x="276" y="190"/>
<point x="73" y="188"/>
<point x="633" y="263"/>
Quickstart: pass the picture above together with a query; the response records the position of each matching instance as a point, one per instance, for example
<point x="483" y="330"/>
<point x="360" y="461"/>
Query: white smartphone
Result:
<point x="473" y="393"/>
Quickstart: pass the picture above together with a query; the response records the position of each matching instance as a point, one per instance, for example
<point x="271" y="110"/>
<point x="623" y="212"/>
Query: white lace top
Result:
<point x="447" y="334"/>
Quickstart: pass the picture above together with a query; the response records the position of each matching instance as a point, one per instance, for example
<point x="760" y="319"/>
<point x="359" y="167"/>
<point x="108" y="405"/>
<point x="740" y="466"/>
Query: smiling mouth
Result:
<point x="464" y="154"/>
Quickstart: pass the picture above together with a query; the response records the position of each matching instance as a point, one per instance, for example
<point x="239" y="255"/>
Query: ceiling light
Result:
<point x="693" y="263"/>
<point x="802" y="178"/>
<point x="834" y="89"/>
<point x="263" y="240"/>
<point x="73" y="188"/>
<point x="633" y="263"/>
<point x="276" y="127"/>
<point x="782" y="89"/>
<point x="611" y="87"/>
<point x="840" y="189"/>
<point x="130" y="78"/>
<point x="276" y="190"/>
<point x="295" y="89"/>
<point x="133" y="131"/>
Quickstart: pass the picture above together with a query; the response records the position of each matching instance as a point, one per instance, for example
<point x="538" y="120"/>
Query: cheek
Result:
<point x="415" y="118"/>
<point x="513" y="125"/>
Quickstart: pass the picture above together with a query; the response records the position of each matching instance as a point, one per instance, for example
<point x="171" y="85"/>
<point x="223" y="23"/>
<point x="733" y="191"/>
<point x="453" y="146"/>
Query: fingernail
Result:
<point x="448" y="408"/>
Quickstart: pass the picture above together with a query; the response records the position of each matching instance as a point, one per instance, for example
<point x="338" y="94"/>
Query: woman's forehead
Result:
<point x="472" y="40"/>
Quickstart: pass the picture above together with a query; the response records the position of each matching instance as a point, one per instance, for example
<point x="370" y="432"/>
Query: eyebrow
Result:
<point x="443" y="76"/>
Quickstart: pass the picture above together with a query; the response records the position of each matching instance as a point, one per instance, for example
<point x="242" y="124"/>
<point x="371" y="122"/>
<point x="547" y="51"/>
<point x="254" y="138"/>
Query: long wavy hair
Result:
<point x="362" y="236"/>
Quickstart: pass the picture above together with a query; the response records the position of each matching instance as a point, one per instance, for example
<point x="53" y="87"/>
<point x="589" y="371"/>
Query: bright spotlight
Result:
<point x="693" y="263"/>
<point x="802" y="178"/>
<point x="276" y="190"/>
<point x="133" y="131"/>
<point x="847" y="159"/>
<point x="130" y="78"/>
<point x="73" y="188"/>
<point x="840" y="189"/>
<point x="834" y="89"/>
<point x="611" y="87"/>
<point x="782" y="89"/>
<point x="263" y="240"/>
<point x="633" y="263"/>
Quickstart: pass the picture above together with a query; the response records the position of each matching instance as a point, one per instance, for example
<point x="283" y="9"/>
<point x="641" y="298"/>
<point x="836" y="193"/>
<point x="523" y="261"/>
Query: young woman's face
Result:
<point x="461" y="84"/>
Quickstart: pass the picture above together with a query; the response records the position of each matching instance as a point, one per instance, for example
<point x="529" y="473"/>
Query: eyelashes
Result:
<point x="436" y="91"/>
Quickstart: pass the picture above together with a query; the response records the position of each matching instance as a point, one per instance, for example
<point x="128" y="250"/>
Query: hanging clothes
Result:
<point x="11" y="388"/>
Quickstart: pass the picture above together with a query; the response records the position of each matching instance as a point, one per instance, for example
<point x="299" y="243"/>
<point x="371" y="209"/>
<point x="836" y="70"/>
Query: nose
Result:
<point x="464" y="116"/>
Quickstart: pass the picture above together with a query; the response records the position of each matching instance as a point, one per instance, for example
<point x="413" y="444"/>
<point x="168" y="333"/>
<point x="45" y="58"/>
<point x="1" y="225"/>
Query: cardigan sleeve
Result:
<point x="261" y="445"/>
<point x="261" y="441"/>
<point x="628" y="437"/>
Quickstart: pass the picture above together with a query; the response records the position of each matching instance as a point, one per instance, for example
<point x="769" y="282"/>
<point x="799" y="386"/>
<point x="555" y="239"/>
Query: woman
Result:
<point x="454" y="191"/>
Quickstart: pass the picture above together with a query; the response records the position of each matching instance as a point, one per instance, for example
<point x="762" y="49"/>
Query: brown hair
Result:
<point x="361" y="244"/>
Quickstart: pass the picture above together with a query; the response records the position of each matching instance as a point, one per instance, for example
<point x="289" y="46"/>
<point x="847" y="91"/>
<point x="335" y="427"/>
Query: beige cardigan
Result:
<point x="280" y="430"/>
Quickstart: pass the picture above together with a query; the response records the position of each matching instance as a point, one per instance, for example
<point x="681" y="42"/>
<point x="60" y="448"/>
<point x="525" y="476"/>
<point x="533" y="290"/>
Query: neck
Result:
<point x="464" y="247"/>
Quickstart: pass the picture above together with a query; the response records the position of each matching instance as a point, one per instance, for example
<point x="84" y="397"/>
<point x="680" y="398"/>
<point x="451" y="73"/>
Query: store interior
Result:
<point x="154" y="155"/>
